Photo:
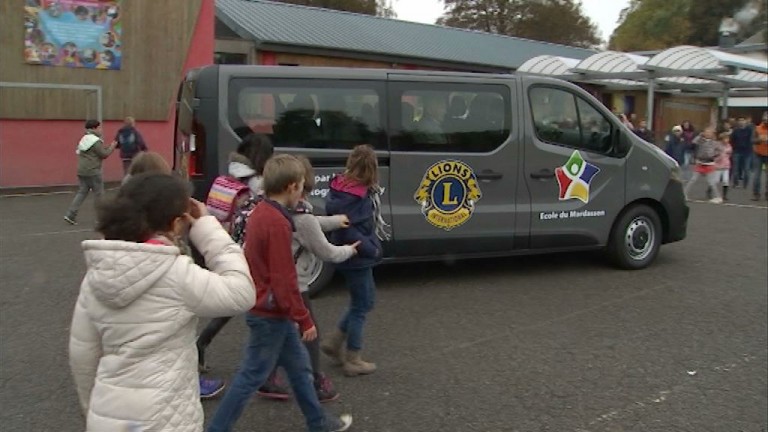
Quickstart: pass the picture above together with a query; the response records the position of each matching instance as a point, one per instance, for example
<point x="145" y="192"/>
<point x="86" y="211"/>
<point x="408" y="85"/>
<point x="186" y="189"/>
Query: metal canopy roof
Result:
<point x="680" y="68"/>
<point x="690" y="60"/>
<point x="560" y="67"/>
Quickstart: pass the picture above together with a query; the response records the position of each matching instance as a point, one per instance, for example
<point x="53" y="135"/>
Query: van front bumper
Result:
<point x="677" y="210"/>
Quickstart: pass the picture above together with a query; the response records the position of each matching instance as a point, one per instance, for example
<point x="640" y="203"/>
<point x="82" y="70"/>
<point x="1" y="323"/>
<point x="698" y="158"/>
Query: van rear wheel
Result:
<point x="635" y="238"/>
<point x="320" y="275"/>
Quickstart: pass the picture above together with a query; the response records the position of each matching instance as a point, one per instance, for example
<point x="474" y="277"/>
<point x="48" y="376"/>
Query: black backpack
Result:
<point x="127" y="140"/>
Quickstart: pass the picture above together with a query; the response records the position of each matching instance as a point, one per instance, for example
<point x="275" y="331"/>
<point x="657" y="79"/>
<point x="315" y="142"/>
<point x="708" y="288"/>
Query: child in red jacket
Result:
<point x="274" y="337"/>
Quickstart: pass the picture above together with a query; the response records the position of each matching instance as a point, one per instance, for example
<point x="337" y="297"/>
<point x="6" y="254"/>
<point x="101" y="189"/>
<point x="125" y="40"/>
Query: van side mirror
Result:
<point x="622" y="143"/>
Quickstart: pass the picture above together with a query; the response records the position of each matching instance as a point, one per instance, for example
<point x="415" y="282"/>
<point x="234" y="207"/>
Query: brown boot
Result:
<point x="333" y="346"/>
<point x="354" y="365"/>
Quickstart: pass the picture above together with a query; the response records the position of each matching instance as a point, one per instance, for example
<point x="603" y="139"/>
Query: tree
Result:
<point x="367" y="7"/>
<point x="659" y="24"/>
<point x="651" y="25"/>
<point x="706" y="15"/>
<point x="556" y="21"/>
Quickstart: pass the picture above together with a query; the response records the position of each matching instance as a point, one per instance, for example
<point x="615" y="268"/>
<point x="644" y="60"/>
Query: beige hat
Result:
<point x="677" y="128"/>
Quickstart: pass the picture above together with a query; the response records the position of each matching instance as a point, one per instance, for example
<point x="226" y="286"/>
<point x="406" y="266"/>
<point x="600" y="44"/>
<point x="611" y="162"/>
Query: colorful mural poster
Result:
<point x="73" y="33"/>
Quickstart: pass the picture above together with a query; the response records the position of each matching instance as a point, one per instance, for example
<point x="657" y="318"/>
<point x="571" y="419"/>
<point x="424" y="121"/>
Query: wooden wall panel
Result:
<point x="156" y="38"/>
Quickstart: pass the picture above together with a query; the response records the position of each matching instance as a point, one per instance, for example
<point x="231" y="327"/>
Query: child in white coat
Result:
<point x="132" y="344"/>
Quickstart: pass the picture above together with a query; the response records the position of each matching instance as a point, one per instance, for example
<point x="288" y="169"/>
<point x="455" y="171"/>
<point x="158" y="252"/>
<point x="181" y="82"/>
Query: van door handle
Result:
<point x="543" y="174"/>
<point x="489" y="175"/>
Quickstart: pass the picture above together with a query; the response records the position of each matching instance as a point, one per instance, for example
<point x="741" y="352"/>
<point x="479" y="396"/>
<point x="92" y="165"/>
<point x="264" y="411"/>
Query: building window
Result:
<point x="466" y="118"/>
<point x="563" y="118"/>
<point x="324" y="114"/>
<point x="230" y="58"/>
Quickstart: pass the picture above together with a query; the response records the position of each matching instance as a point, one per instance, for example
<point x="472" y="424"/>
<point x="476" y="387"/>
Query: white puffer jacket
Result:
<point x="132" y="347"/>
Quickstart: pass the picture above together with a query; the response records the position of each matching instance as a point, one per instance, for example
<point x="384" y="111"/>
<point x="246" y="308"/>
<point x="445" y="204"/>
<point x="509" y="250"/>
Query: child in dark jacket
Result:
<point x="356" y="193"/>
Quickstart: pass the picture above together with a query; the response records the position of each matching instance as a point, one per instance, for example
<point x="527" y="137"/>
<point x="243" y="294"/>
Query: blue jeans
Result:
<point x="272" y="342"/>
<point x="741" y="168"/>
<point x="362" y="295"/>
<point x="757" y="170"/>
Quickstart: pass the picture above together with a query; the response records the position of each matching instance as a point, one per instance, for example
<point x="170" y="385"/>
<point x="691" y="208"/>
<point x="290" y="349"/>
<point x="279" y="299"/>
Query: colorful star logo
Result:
<point x="574" y="178"/>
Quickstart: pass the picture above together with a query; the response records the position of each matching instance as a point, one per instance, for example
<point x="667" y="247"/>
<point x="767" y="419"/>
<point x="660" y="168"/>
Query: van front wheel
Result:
<point x="635" y="238"/>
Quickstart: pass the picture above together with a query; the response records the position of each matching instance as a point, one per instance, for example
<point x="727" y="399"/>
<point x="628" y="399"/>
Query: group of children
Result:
<point x="711" y="159"/>
<point x="132" y="349"/>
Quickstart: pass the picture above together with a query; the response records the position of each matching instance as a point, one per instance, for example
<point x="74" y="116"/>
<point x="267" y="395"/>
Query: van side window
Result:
<point x="467" y="118"/>
<point x="563" y="118"/>
<point x="320" y="114"/>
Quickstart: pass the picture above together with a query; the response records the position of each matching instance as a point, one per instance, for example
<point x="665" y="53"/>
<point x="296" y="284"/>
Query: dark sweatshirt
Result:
<point x="347" y="197"/>
<point x="741" y="139"/>
<point x="268" y="238"/>
<point x="130" y="142"/>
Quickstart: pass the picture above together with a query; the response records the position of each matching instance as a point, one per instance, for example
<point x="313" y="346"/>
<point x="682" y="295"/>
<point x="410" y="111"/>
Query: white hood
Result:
<point x="86" y="142"/>
<point x="240" y="170"/>
<point x="119" y="271"/>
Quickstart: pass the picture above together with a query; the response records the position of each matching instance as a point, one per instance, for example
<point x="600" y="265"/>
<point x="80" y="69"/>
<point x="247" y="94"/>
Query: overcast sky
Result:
<point x="603" y="12"/>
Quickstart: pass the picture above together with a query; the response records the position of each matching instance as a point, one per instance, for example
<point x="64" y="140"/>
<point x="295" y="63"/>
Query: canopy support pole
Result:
<point x="649" y="113"/>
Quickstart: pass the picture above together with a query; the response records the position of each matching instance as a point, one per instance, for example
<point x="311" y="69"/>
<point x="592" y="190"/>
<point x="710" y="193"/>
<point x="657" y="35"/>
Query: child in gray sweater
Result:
<point x="309" y="246"/>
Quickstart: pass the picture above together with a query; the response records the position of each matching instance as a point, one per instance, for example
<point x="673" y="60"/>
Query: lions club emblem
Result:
<point x="448" y="194"/>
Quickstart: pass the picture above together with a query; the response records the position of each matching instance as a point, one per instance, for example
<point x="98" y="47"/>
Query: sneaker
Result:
<point x="325" y="390"/>
<point x="717" y="200"/>
<point x="210" y="388"/>
<point x="340" y="424"/>
<point x="755" y="197"/>
<point x="274" y="388"/>
<point x="70" y="220"/>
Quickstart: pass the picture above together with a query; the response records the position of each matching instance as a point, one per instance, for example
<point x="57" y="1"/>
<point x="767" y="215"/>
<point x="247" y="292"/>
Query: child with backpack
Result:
<point x="130" y="344"/>
<point x="129" y="142"/>
<point x="357" y="194"/>
<point x="229" y="192"/>
<point x="707" y="150"/>
<point x="279" y="322"/>
<point x="246" y="166"/>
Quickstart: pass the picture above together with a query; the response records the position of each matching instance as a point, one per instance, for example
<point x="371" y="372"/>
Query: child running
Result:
<point x="131" y="345"/>
<point x="706" y="153"/>
<point x="356" y="193"/>
<point x="274" y="337"/>
<point x="723" y="162"/>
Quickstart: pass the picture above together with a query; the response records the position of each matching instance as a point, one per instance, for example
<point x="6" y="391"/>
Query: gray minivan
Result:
<point x="474" y="165"/>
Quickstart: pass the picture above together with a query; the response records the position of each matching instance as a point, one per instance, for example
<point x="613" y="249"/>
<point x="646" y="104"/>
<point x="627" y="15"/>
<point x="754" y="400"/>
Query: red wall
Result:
<point x="42" y="152"/>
